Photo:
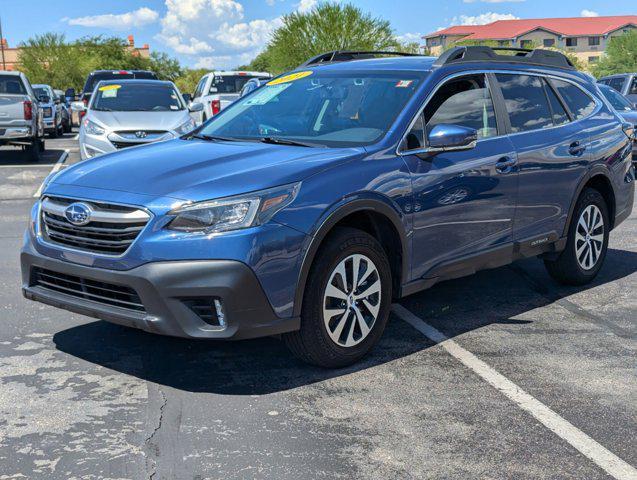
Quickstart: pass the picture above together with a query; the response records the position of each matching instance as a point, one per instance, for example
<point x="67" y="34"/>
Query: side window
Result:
<point x="560" y="117"/>
<point x="199" y="88"/>
<point x="463" y="101"/>
<point x="579" y="103"/>
<point x="633" y="87"/>
<point x="617" y="83"/>
<point x="415" y="139"/>
<point x="525" y="101"/>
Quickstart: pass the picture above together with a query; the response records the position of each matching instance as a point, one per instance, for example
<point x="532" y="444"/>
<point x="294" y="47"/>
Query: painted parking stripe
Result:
<point x="605" y="459"/>
<point x="76" y="137"/>
<point x="55" y="168"/>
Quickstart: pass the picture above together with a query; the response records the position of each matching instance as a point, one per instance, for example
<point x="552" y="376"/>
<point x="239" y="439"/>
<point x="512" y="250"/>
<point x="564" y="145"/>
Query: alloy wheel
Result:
<point x="351" y="301"/>
<point x="589" y="237"/>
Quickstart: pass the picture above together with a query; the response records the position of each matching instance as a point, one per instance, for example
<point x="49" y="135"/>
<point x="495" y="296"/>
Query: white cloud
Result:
<point x="410" y="37"/>
<point x="589" y="13"/>
<point x="137" y="18"/>
<point x="482" y="19"/>
<point x="305" y="6"/>
<point x="215" y="28"/>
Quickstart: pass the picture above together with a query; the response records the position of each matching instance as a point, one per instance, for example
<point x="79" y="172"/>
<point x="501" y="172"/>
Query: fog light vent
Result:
<point x="209" y="309"/>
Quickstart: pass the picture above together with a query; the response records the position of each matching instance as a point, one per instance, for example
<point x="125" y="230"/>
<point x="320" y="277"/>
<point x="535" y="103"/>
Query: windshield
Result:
<point x="229" y="83"/>
<point x="12" y="85"/>
<point x="616" y="99"/>
<point x="340" y="110"/>
<point x="41" y="92"/>
<point x="138" y="97"/>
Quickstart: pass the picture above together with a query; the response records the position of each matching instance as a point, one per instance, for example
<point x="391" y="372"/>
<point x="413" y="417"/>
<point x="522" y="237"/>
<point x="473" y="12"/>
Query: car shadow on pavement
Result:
<point x="15" y="156"/>
<point x="262" y="366"/>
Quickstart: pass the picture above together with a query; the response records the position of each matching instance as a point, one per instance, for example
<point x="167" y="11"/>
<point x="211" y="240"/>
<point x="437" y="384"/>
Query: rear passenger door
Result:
<point x="552" y="145"/>
<point x="463" y="201"/>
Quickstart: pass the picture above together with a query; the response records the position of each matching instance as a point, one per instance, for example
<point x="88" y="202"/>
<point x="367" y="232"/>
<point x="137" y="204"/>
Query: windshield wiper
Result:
<point x="285" y="141"/>
<point x="213" y="138"/>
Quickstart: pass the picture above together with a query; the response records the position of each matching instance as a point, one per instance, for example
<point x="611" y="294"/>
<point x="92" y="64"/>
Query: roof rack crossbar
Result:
<point x="348" y="55"/>
<point x="478" y="53"/>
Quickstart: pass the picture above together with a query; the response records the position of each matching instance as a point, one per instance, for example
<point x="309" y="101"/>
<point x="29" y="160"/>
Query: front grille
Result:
<point x="110" y="231"/>
<point x="95" y="291"/>
<point x="120" y="145"/>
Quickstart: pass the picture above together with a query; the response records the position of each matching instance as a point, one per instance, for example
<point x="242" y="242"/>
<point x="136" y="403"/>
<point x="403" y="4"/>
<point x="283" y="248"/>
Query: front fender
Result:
<point x="363" y="201"/>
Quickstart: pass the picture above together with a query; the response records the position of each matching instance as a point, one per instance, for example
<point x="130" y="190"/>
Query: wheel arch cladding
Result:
<point x="373" y="217"/>
<point x="599" y="181"/>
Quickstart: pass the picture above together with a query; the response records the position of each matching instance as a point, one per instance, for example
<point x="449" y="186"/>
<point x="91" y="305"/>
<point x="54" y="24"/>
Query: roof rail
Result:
<point x="348" y="55"/>
<point x="548" y="58"/>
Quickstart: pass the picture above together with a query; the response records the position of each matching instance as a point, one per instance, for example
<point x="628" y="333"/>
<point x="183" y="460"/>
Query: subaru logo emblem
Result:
<point x="78" y="213"/>
<point x="140" y="134"/>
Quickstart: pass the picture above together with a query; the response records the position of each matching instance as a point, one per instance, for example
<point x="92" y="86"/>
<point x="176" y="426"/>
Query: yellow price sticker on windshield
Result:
<point x="106" y="88"/>
<point x="291" y="77"/>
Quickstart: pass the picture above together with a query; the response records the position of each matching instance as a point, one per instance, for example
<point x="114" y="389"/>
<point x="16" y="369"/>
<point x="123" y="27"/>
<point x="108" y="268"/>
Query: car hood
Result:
<point x="200" y="170"/>
<point x="140" y="120"/>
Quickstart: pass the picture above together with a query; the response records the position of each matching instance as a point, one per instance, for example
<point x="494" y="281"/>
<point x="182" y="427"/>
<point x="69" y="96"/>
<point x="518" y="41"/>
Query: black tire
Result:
<point x="567" y="269"/>
<point x="312" y="343"/>
<point x="34" y="151"/>
<point x="55" y="133"/>
<point x="67" y="126"/>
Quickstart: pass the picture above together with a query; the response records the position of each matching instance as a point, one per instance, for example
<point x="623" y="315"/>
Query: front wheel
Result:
<point x="346" y="301"/>
<point x="587" y="242"/>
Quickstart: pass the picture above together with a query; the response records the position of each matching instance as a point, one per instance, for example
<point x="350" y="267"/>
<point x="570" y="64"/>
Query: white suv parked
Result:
<point x="217" y="90"/>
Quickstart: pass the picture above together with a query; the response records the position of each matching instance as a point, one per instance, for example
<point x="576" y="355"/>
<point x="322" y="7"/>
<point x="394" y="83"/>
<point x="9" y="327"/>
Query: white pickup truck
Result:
<point x="21" y="121"/>
<point x="217" y="90"/>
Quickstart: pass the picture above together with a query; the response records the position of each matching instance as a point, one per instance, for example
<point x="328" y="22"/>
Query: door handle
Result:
<point x="505" y="165"/>
<point x="576" y="149"/>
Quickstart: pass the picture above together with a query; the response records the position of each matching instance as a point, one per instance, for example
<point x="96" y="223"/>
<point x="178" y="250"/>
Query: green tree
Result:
<point x="49" y="58"/>
<point x="328" y="26"/>
<point x="620" y="57"/>
<point x="189" y="78"/>
<point x="166" y="67"/>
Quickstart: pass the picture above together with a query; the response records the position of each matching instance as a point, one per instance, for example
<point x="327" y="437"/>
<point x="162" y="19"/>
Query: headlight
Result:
<point x="92" y="128"/>
<point x="186" y="127"/>
<point x="233" y="213"/>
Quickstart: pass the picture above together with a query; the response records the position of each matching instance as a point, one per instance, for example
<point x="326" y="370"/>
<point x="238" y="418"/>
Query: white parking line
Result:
<point x="55" y="168"/>
<point x="76" y="137"/>
<point x="608" y="461"/>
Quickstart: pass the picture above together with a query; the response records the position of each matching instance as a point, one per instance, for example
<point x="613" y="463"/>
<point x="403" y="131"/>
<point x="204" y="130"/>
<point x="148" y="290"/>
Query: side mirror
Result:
<point x="44" y="99"/>
<point x="196" y="107"/>
<point x="187" y="97"/>
<point x="446" y="137"/>
<point x="78" y="106"/>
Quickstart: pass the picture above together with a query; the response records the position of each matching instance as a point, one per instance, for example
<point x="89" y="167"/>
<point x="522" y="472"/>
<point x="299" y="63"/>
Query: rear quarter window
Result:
<point x="579" y="103"/>
<point x="526" y="102"/>
<point x="12" y="85"/>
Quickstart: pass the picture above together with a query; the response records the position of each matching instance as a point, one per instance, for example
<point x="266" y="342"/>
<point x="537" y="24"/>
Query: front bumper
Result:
<point x="163" y="287"/>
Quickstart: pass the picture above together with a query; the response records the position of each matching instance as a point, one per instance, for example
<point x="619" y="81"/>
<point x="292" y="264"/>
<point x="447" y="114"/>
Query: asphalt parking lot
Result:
<point x="81" y="398"/>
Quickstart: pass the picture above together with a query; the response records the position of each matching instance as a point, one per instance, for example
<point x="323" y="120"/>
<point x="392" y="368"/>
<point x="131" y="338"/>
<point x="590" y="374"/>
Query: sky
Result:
<point x="227" y="33"/>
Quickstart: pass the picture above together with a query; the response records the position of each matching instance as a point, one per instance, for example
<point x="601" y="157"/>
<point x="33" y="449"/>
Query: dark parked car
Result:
<point x="625" y="109"/>
<point x="305" y="207"/>
<point x="65" y="110"/>
<point x="624" y="83"/>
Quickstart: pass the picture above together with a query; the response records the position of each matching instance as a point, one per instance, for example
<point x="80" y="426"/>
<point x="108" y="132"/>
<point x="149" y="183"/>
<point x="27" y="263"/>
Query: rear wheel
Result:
<point x="346" y="301"/>
<point x="55" y="133"/>
<point x="587" y="242"/>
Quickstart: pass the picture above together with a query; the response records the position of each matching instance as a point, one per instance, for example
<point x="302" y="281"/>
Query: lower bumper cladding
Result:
<point x="193" y="299"/>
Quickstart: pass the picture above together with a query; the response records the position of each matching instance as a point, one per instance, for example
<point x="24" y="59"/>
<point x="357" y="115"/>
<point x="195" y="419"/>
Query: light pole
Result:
<point x="4" y="64"/>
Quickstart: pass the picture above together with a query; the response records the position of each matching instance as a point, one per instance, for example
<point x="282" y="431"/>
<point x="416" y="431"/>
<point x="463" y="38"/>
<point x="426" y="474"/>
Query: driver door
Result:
<point x="463" y="201"/>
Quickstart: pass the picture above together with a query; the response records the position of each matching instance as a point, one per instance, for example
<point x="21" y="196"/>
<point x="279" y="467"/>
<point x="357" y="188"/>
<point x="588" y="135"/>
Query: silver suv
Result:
<point x="21" y="121"/>
<point x="624" y="83"/>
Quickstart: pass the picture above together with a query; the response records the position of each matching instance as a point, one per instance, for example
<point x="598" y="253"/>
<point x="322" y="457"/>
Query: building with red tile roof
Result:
<point x="585" y="37"/>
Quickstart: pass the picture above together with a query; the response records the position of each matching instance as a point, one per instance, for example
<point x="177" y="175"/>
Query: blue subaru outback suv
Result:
<point x="304" y="208"/>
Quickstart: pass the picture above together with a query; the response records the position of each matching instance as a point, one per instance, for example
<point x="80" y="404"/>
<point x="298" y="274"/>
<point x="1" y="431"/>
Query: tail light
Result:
<point x="85" y="102"/>
<point x="215" y="106"/>
<point x="28" y="110"/>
